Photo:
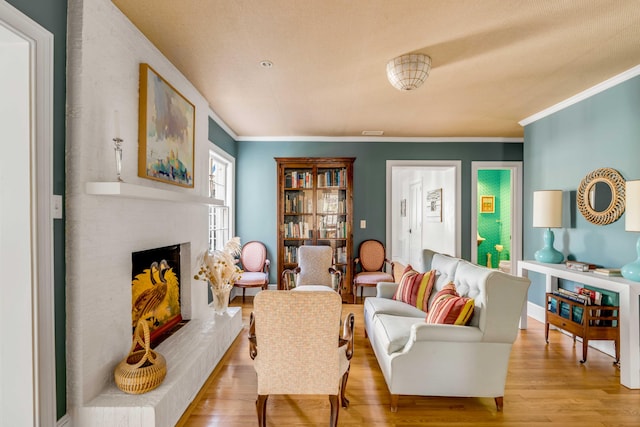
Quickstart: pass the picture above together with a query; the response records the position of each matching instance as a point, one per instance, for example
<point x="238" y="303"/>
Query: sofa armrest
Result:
<point x="386" y="289"/>
<point x="432" y="332"/>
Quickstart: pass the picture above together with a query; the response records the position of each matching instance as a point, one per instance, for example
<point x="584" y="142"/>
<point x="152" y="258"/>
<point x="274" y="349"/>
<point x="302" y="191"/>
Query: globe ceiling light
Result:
<point x="408" y="72"/>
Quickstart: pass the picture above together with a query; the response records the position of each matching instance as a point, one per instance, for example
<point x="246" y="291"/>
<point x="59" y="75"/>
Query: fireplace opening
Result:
<point x="155" y="291"/>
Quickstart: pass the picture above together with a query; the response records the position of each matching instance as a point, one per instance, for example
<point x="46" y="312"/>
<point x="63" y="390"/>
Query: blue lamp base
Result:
<point x="631" y="271"/>
<point x="549" y="254"/>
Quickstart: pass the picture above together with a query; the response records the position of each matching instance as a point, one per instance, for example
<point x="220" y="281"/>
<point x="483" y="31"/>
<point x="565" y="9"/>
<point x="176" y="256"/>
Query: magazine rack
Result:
<point x="590" y="322"/>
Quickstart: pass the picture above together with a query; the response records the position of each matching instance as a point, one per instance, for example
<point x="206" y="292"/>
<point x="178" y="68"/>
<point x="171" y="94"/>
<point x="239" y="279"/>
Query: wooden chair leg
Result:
<point x="354" y="289"/>
<point x="261" y="407"/>
<point x="499" y="403"/>
<point x="343" y="387"/>
<point x="243" y="290"/>
<point x="335" y="407"/>
<point x="616" y="343"/>
<point x="394" y="402"/>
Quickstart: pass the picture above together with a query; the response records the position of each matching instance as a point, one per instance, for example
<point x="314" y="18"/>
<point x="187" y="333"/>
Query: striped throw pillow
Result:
<point x="450" y="308"/>
<point x="415" y="288"/>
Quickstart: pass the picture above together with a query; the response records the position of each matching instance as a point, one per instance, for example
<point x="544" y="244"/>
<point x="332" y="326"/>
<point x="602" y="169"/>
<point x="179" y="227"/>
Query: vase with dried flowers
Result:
<point x="219" y="269"/>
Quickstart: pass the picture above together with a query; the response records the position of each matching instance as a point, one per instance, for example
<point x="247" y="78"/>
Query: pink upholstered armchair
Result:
<point x="255" y="267"/>
<point x="296" y="345"/>
<point x="372" y="260"/>
<point x="315" y="270"/>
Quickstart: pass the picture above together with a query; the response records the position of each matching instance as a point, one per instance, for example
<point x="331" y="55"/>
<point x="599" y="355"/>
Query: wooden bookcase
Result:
<point x="315" y="207"/>
<point x="590" y="322"/>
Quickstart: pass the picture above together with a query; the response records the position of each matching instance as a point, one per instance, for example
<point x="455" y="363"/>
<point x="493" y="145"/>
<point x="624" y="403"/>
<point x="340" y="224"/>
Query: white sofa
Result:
<point x="423" y="359"/>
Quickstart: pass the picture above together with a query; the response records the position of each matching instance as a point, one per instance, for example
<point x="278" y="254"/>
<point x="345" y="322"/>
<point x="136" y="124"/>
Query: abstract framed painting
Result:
<point x="166" y="131"/>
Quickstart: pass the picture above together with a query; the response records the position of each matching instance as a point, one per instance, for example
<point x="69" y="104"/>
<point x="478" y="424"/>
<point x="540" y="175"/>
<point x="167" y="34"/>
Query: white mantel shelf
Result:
<point x="629" y="292"/>
<point x="133" y="191"/>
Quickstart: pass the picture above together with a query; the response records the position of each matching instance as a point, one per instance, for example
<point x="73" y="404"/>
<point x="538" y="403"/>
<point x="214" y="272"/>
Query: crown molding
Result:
<point x="600" y="87"/>
<point x="430" y="139"/>
<point x="222" y="124"/>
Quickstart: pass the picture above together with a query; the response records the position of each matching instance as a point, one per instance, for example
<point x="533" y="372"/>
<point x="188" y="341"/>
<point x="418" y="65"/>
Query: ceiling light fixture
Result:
<point x="266" y="63"/>
<point x="408" y="72"/>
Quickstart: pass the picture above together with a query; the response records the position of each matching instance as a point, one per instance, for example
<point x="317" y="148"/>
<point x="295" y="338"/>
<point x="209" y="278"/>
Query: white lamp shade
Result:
<point x="547" y="208"/>
<point x="632" y="208"/>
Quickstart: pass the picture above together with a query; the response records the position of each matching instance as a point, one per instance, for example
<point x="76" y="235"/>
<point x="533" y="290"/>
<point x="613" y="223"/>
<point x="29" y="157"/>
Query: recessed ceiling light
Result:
<point x="372" y="132"/>
<point x="266" y="63"/>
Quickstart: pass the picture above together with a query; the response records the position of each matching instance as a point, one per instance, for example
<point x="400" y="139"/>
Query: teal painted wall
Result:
<point x="222" y="139"/>
<point x="52" y="15"/>
<point x="495" y="227"/>
<point x="256" y="181"/>
<point x="559" y="150"/>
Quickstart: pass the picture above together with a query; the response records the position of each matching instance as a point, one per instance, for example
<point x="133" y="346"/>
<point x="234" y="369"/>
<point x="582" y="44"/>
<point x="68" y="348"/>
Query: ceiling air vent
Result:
<point x="372" y="132"/>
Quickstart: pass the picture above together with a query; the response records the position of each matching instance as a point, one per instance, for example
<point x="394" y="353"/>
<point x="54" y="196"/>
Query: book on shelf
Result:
<point x="608" y="271"/>
<point x="572" y="296"/>
<point x="580" y="266"/>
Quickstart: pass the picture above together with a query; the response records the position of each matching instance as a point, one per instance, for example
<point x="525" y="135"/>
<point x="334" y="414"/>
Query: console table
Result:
<point x="629" y="292"/>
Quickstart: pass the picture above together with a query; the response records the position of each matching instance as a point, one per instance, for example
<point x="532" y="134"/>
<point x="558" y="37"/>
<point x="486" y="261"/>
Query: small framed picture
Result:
<point x="433" y="212"/>
<point x="487" y="204"/>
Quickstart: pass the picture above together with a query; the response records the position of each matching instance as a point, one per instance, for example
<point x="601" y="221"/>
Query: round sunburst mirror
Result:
<point x="601" y="196"/>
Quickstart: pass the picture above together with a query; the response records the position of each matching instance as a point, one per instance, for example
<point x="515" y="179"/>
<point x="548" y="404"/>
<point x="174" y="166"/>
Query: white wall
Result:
<point x="105" y="51"/>
<point x="439" y="236"/>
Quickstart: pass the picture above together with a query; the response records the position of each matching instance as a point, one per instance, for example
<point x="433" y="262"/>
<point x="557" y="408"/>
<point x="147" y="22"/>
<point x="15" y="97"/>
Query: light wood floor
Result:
<point x="546" y="385"/>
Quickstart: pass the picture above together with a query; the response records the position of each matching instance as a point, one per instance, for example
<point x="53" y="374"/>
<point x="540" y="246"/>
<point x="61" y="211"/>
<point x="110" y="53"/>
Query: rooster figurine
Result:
<point x="151" y="298"/>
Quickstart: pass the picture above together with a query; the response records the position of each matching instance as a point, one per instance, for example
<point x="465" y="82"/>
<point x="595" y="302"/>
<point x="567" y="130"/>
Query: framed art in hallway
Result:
<point x="433" y="211"/>
<point x="166" y="131"/>
<point x="487" y="204"/>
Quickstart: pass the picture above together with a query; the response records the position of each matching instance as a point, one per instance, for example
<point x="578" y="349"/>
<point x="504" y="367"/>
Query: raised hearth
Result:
<point x="191" y="353"/>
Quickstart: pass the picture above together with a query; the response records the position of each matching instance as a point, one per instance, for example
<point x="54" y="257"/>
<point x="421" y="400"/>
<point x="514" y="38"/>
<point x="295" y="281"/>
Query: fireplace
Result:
<point x="155" y="291"/>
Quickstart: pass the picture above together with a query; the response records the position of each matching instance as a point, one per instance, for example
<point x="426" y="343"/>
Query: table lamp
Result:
<point x="631" y="271"/>
<point x="547" y="213"/>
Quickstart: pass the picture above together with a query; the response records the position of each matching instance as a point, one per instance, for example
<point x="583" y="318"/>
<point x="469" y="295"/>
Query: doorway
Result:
<point x="27" y="356"/>
<point x="496" y="217"/>
<point x="412" y="225"/>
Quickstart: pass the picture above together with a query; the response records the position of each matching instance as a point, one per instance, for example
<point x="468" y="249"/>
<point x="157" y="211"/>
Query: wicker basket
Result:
<point x="142" y="370"/>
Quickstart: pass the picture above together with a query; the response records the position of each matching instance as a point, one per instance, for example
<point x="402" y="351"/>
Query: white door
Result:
<point x="27" y="356"/>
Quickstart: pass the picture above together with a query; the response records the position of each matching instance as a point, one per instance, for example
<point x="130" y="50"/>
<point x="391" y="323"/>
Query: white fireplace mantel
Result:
<point x="133" y="191"/>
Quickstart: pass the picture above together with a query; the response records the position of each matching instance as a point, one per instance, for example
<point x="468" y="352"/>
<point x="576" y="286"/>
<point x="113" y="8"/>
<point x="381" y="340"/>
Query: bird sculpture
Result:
<point x="151" y="298"/>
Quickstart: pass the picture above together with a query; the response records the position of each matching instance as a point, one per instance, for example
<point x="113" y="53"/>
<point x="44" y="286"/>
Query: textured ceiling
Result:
<point x="494" y="62"/>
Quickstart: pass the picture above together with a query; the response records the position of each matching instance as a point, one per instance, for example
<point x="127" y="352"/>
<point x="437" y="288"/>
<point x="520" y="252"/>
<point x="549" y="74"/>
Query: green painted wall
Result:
<point x="52" y="15"/>
<point x="495" y="227"/>
<point x="256" y="181"/>
<point x="559" y="150"/>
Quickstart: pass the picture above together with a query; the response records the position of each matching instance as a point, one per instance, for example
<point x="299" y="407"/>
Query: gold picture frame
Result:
<point x="166" y="131"/>
<point x="487" y="204"/>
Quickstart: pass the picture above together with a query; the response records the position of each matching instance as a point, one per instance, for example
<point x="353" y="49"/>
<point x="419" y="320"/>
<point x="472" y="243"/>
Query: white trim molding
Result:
<point x="216" y="118"/>
<point x="433" y="139"/>
<point x="600" y="87"/>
